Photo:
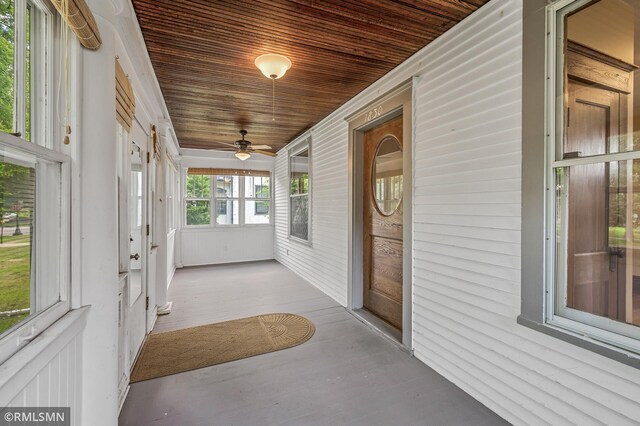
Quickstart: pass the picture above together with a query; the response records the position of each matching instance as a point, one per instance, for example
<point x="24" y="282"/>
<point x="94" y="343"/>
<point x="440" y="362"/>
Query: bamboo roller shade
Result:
<point x="81" y="21"/>
<point x="227" y="172"/>
<point x="125" y="103"/>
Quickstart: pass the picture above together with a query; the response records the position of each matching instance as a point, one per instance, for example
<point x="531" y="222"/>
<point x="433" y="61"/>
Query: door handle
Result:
<point x="615" y="253"/>
<point x="134" y="256"/>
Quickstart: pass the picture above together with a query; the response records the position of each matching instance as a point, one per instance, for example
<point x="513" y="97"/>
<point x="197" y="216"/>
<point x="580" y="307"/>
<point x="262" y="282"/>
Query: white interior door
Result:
<point x="137" y="321"/>
<point x="152" y="246"/>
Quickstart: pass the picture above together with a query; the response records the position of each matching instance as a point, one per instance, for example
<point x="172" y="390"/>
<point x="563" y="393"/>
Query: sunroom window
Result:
<point x="594" y="164"/>
<point x="233" y="197"/>
<point x="299" y="188"/>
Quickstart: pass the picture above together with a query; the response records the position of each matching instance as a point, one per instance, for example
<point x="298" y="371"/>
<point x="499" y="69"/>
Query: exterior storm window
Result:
<point x="593" y="263"/>
<point x="299" y="188"/>
<point x="233" y="200"/>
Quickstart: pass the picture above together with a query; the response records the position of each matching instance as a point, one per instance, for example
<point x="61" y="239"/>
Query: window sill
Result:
<point x="583" y="341"/>
<point x="300" y="241"/>
<point x="226" y="228"/>
<point x="17" y="371"/>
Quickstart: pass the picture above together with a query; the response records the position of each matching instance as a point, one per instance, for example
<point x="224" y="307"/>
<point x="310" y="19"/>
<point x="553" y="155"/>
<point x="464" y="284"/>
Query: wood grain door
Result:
<point x="594" y="121"/>
<point x="382" y="209"/>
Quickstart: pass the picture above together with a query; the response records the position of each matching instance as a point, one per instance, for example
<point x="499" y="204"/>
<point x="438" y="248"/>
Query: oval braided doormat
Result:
<point x="178" y="351"/>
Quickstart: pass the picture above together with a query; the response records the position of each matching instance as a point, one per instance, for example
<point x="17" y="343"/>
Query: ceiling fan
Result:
<point x="245" y="148"/>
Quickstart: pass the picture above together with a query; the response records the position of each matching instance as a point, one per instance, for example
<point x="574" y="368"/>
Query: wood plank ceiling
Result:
<point x="203" y="53"/>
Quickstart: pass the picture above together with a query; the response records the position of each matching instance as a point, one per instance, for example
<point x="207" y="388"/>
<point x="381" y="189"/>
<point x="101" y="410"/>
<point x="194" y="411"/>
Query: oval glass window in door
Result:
<point x="387" y="175"/>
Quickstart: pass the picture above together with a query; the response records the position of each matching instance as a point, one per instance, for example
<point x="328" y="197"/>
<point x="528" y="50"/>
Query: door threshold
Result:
<point x="388" y="331"/>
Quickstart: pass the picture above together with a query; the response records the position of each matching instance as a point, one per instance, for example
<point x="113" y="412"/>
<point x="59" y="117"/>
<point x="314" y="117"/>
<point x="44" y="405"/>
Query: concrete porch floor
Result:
<point x="346" y="374"/>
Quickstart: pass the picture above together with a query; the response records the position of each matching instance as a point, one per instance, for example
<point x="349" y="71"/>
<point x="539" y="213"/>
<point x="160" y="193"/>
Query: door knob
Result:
<point x="134" y="256"/>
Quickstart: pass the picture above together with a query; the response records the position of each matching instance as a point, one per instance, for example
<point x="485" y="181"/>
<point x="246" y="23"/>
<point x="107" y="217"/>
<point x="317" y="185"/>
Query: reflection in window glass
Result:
<point x="7" y="69"/>
<point x="17" y="196"/>
<point x="598" y="204"/>
<point x="299" y="195"/>
<point x="299" y="173"/>
<point x="28" y="67"/>
<point x="299" y="217"/>
<point x="602" y="205"/>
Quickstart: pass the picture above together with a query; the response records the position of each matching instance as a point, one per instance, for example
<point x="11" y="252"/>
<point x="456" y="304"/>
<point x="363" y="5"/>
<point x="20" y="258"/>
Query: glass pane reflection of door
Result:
<point x="135" y="203"/>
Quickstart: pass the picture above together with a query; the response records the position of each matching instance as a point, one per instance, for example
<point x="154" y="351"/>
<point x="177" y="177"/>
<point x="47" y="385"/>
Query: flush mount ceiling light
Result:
<point x="273" y="66"/>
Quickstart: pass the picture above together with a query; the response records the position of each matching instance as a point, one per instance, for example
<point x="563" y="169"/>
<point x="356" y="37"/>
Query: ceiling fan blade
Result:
<point x="261" y="147"/>
<point x="270" y="154"/>
<point x="231" y="145"/>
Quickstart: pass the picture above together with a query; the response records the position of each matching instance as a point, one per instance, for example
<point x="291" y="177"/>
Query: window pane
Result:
<point x="598" y="225"/>
<point x="20" y="294"/>
<point x="256" y="187"/>
<point x="28" y="58"/>
<point x="299" y="217"/>
<point x="7" y="69"/>
<point x="601" y="101"/>
<point x="300" y="173"/>
<point x="198" y="212"/>
<point x="256" y="211"/>
<point x="227" y="186"/>
<point x="227" y="212"/>
<point x="198" y="186"/>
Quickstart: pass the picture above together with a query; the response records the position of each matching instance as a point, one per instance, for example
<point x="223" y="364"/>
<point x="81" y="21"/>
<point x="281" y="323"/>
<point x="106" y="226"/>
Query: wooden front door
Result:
<point x="382" y="209"/>
<point x="595" y="258"/>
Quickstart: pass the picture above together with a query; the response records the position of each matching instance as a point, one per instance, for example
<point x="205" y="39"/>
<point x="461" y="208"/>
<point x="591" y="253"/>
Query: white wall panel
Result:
<point x="324" y="262"/>
<point x="466" y="232"/>
<point x="171" y="256"/>
<point x="211" y="246"/>
<point x="48" y="371"/>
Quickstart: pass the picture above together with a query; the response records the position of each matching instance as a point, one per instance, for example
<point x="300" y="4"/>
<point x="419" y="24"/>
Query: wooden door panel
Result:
<point x="593" y="128"/>
<point x="382" y="237"/>
<point x="386" y="267"/>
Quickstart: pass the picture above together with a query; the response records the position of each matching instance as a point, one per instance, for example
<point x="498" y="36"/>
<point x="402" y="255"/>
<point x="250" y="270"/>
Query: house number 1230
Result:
<point x="373" y="114"/>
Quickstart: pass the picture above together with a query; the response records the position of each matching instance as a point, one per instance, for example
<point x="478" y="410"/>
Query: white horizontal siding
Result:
<point x="466" y="232"/>
<point x="467" y="218"/>
<point x="324" y="263"/>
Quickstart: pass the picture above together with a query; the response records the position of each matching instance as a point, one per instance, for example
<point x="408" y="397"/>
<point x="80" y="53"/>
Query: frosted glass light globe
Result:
<point x="273" y="65"/>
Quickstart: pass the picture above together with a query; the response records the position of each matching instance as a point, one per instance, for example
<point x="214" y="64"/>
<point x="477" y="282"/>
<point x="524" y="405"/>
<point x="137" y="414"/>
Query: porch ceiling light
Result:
<point x="272" y="65"/>
<point x="242" y="155"/>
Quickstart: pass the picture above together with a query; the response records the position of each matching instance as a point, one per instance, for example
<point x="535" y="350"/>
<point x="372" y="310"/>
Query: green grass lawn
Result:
<point x="15" y="271"/>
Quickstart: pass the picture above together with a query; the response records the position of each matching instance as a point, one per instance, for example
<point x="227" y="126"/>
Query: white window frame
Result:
<point x="245" y="199"/>
<point x="293" y="151"/>
<point x="239" y="199"/>
<point x="213" y="199"/>
<point x="172" y="192"/>
<point x="604" y="330"/>
<point x="186" y="198"/>
<point x="20" y="335"/>
<point x="43" y="20"/>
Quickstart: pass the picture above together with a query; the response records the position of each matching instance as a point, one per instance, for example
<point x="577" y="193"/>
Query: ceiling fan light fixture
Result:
<point x="272" y="65"/>
<point x="242" y="155"/>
